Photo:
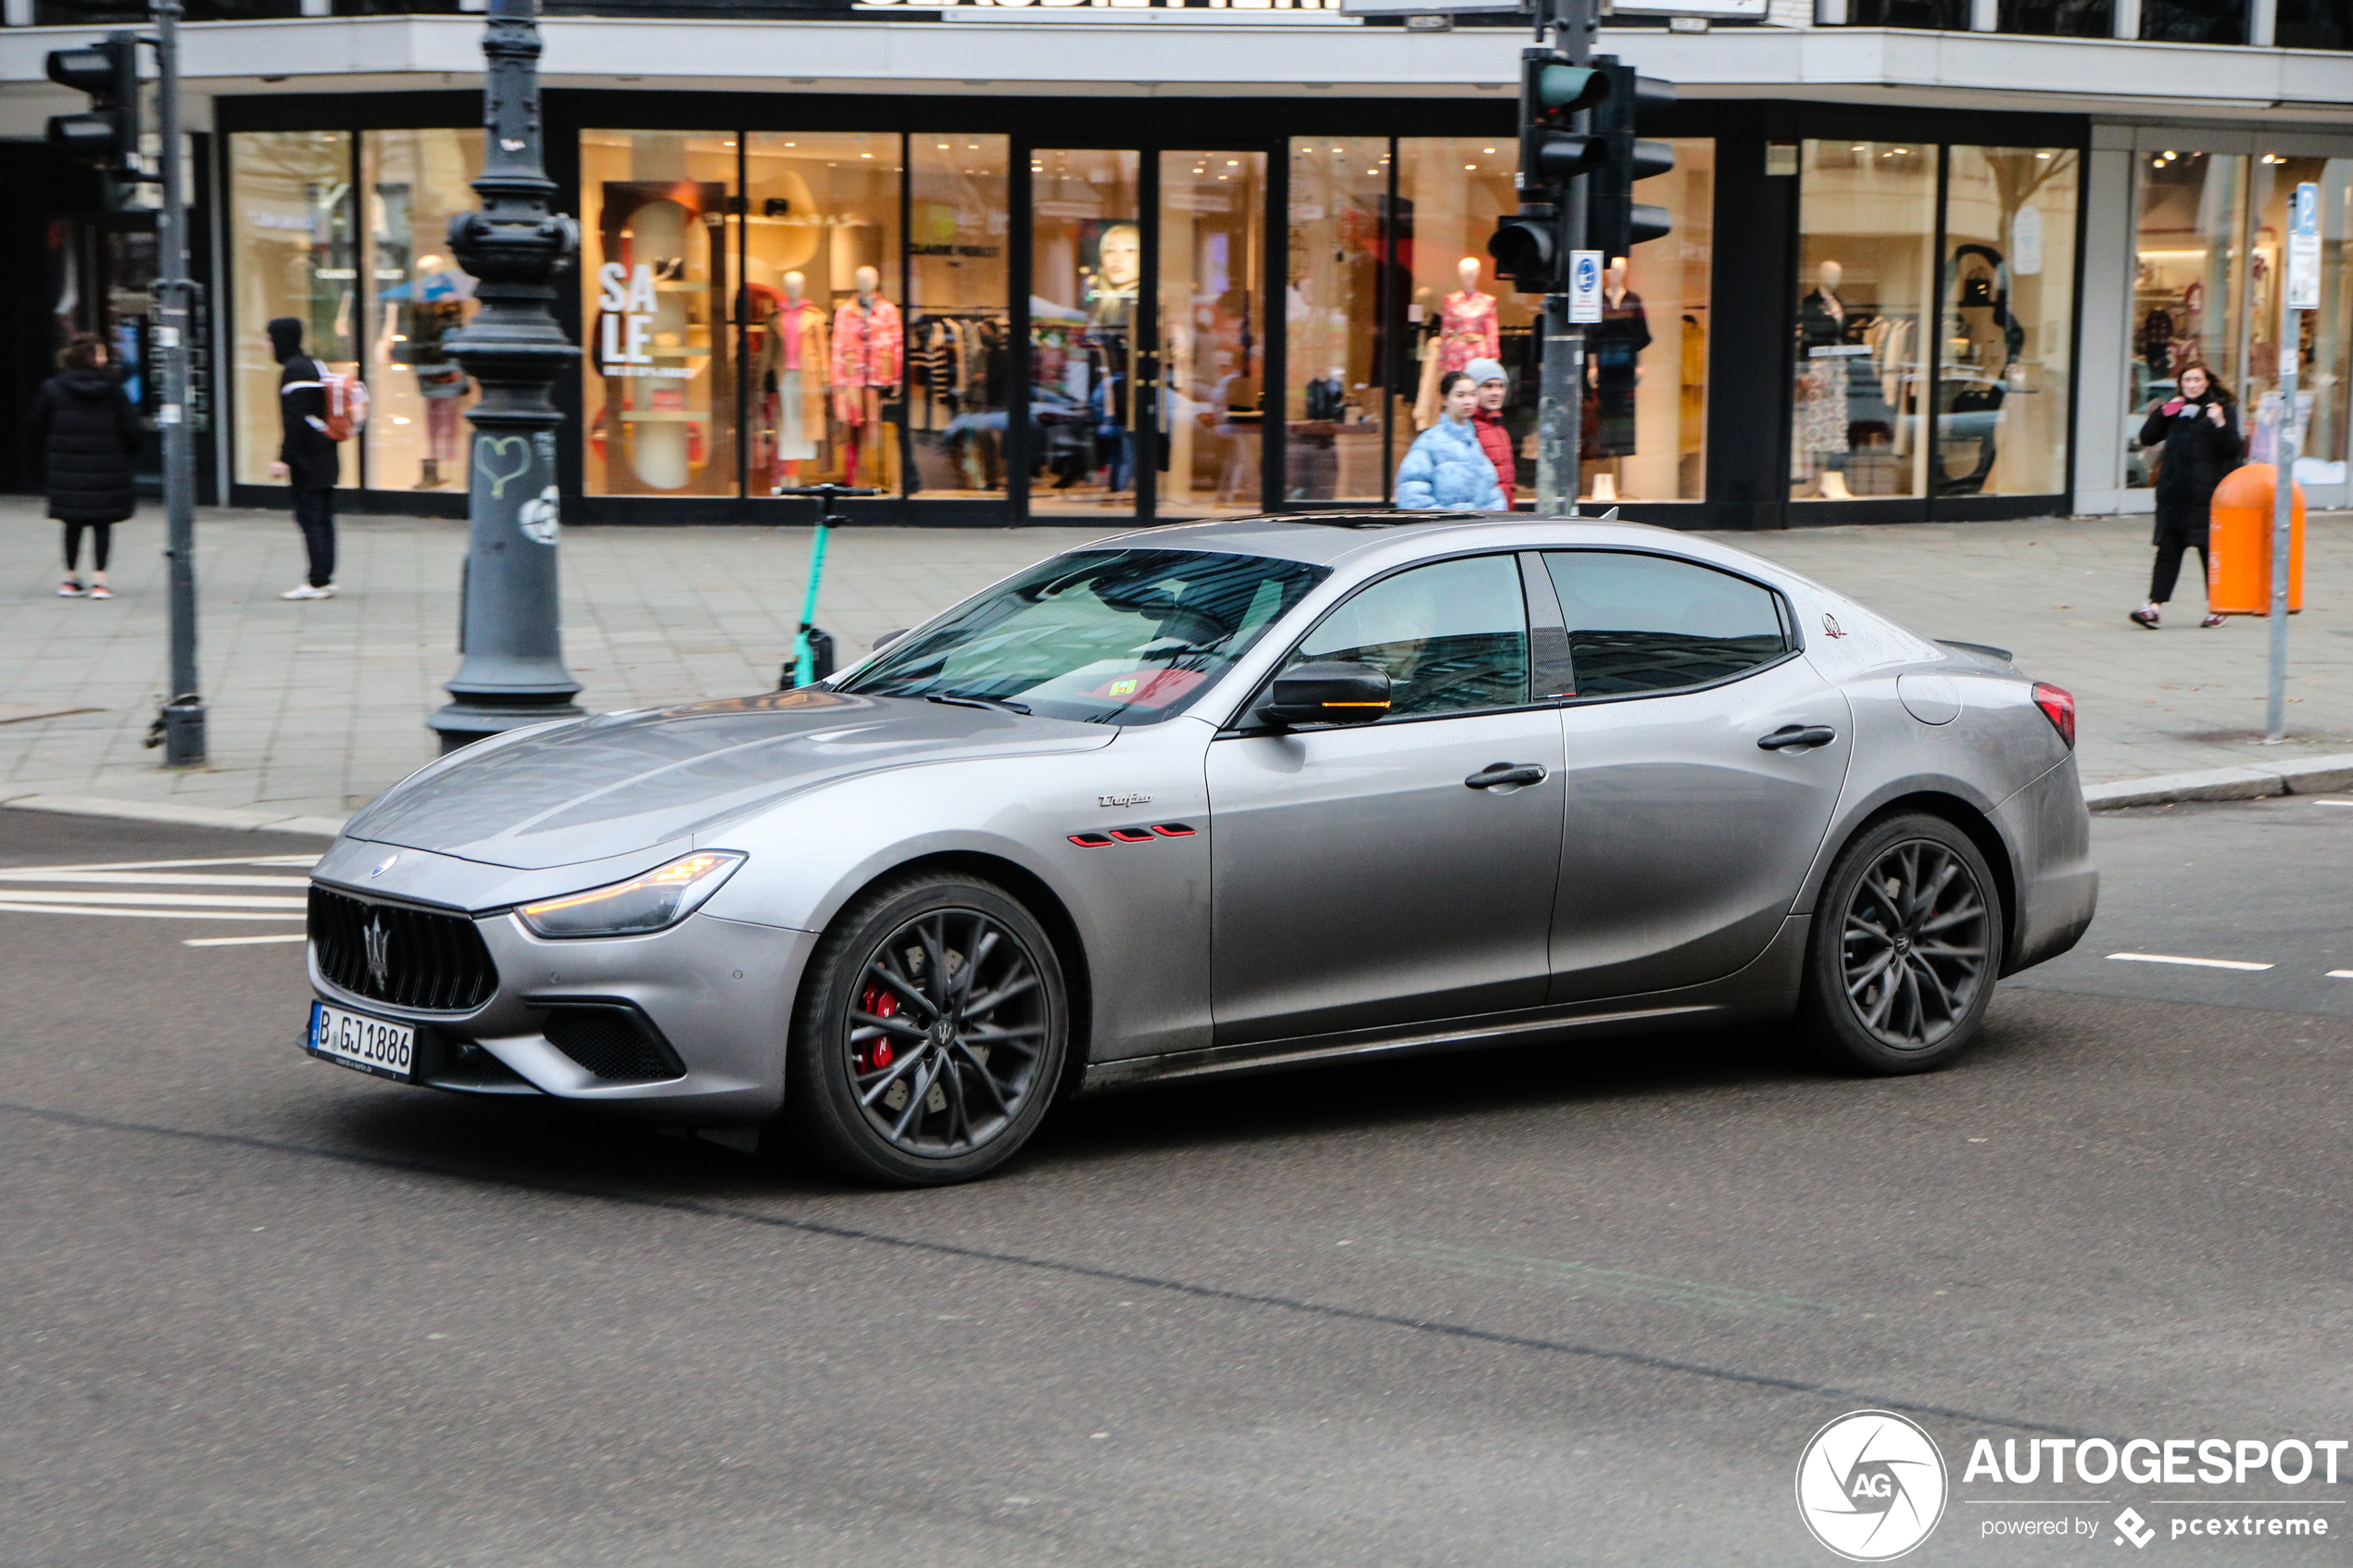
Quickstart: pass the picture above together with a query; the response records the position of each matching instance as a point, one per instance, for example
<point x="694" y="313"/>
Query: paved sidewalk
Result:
<point x="315" y="706"/>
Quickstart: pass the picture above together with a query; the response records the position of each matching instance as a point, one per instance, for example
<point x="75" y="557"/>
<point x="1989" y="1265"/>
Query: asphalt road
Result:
<point x="1521" y="1307"/>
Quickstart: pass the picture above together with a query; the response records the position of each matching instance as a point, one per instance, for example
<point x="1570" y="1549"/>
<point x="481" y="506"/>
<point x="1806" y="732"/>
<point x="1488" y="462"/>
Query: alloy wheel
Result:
<point x="1914" y="947"/>
<point x="945" y="1033"/>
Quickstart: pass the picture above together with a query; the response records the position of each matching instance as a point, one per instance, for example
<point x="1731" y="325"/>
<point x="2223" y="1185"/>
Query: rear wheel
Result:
<point x="1906" y="945"/>
<point x="930" y="1034"/>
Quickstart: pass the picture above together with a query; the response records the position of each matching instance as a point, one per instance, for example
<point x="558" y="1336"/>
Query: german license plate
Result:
<point x="371" y="1045"/>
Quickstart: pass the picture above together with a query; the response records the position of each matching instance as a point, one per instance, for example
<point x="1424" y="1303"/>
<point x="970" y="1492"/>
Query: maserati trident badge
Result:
<point x="377" y="941"/>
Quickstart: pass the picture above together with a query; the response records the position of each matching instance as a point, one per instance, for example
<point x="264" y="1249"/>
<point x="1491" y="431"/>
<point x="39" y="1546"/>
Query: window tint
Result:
<point x="1643" y="624"/>
<point x="1453" y="637"/>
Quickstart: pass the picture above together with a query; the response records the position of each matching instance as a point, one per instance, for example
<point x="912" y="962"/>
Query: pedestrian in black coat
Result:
<point x="2196" y="439"/>
<point x="86" y="432"/>
<point x="307" y="461"/>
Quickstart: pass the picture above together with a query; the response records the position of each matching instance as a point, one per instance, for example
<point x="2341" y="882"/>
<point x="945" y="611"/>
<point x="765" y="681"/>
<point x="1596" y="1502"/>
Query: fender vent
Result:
<point x="614" y="1041"/>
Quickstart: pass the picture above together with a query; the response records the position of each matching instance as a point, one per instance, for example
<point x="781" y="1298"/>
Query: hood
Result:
<point x="285" y="338"/>
<point x="89" y="384"/>
<point x="626" y="781"/>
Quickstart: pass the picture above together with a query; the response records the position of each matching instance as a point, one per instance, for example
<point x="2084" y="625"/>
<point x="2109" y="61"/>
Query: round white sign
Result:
<point x="1872" y="1486"/>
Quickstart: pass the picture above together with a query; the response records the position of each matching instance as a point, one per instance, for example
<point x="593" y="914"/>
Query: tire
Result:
<point x="893" y="1074"/>
<point x="1905" y="945"/>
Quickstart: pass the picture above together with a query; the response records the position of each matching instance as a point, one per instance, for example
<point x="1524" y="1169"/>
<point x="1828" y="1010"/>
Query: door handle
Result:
<point x="1503" y="773"/>
<point x="1796" y="735"/>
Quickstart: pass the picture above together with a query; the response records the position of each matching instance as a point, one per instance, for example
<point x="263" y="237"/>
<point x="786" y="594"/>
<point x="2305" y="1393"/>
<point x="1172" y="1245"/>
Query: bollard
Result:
<point x="2238" y="545"/>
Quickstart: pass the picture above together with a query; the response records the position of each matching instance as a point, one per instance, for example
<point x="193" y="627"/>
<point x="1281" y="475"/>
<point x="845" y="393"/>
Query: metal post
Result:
<point x="510" y="631"/>
<point x="182" y="717"/>
<point x="2283" y="520"/>
<point x="1561" y="395"/>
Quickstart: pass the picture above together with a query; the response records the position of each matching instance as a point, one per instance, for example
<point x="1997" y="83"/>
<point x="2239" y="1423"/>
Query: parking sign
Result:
<point x="2304" y="249"/>
<point x="1584" y="285"/>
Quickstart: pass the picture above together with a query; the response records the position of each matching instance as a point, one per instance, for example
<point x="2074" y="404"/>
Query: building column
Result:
<point x="2128" y="18"/>
<point x="1985" y="15"/>
<point x="2263" y="23"/>
<point x="2104" y="340"/>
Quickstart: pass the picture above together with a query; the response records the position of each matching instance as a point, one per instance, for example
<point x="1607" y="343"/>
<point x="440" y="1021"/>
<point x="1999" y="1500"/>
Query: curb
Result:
<point x="2318" y="775"/>
<point x="182" y="816"/>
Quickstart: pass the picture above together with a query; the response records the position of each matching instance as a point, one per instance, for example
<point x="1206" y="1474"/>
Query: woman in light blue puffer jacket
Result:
<point x="1446" y="466"/>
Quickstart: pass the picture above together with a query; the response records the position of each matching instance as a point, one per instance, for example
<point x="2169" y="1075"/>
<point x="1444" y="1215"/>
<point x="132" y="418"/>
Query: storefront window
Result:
<point x="1086" y="257"/>
<point x="295" y="251"/>
<point x="2004" y="378"/>
<point x="2187" y="282"/>
<point x="826" y="339"/>
<point x="1212" y="321"/>
<point x="1450" y="191"/>
<point x="2322" y="371"/>
<point x="414" y="180"/>
<point x="1867" y="271"/>
<point x="1332" y="445"/>
<point x="959" y="284"/>
<point x="1645" y="437"/>
<point x="658" y="396"/>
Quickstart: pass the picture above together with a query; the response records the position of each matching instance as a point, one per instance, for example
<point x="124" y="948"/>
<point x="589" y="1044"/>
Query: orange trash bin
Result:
<point x="2238" y="543"/>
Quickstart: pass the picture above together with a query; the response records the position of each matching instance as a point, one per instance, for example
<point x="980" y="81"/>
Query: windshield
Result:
<point x="1108" y="636"/>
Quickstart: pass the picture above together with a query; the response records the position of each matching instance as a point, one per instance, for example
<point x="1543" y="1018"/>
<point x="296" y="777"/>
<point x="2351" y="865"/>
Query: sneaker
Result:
<point x="71" y="588"/>
<point x="306" y="592"/>
<point x="2140" y="617"/>
<point x="2212" y="619"/>
<point x="100" y="591"/>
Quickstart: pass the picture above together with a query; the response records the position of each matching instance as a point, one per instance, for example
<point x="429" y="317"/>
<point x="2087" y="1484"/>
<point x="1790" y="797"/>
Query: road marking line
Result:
<point x="242" y="941"/>
<point x="14" y="908"/>
<point x="2200" y="963"/>
<point x="2341" y="975"/>
<point x="148" y="879"/>
<point x="192" y="900"/>
<point x="2333" y="802"/>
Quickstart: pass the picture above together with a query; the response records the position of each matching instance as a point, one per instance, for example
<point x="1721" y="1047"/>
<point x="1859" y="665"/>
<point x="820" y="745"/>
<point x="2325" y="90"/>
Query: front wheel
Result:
<point x="1906" y="944"/>
<point x="930" y="1034"/>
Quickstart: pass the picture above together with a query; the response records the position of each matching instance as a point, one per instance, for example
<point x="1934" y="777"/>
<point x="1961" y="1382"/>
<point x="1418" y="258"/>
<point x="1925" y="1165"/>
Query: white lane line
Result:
<point x="2199" y="963"/>
<point x="15" y="909"/>
<point x="148" y="879"/>
<point x="241" y="941"/>
<point x="193" y="900"/>
<point x="2341" y="975"/>
<point x="2333" y="802"/>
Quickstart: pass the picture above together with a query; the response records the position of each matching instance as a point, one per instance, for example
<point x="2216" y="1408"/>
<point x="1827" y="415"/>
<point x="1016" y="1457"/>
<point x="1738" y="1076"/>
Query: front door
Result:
<point x="1147" y="333"/>
<point x="1382" y="875"/>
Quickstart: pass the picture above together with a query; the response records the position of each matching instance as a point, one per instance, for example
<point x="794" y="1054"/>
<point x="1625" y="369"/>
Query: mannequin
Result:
<point x="1617" y="344"/>
<point x="1467" y="328"/>
<point x="1822" y="409"/>
<point x="1424" y="314"/>
<point x="869" y="355"/>
<point x="792" y="372"/>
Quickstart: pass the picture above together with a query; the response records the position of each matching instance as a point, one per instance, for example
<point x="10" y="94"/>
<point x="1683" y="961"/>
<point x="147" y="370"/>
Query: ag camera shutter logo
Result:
<point x="1872" y="1486"/>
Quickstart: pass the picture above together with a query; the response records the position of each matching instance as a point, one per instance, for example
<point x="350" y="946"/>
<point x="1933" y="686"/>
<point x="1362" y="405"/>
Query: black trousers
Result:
<point x="2170" y="544"/>
<point x="314" y="512"/>
<point x="101" y="542"/>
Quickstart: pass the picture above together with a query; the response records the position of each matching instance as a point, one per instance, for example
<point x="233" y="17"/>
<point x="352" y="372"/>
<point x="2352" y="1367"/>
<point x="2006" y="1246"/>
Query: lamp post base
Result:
<point x="461" y="723"/>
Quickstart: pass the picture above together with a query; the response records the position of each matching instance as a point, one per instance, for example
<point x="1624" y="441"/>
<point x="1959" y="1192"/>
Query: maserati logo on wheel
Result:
<point x="1872" y="1486"/>
<point x="377" y="941"/>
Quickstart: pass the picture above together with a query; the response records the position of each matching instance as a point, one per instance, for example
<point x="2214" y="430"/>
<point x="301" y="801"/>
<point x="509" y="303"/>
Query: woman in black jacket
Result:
<point x="2196" y="438"/>
<point x="86" y="431"/>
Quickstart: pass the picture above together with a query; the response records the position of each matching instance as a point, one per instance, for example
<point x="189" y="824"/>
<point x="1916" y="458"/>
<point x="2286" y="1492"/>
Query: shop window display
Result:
<point x="412" y="182"/>
<point x="1212" y="321"/>
<point x="824" y="339"/>
<point x="1087" y="251"/>
<point x="1644" y="430"/>
<point x="2004" y="372"/>
<point x="1333" y="436"/>
<point x="2187" y="282"/>
<point x="2323" y="369"/>
<point x="659" y="395"/>
<point x="1866" y="223"/>
<point x="294" y="235"/>
<point x="959" y="334"/>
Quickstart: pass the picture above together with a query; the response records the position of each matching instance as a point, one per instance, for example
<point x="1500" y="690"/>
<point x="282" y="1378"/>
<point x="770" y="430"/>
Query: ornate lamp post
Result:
<point x="511" y="626"/>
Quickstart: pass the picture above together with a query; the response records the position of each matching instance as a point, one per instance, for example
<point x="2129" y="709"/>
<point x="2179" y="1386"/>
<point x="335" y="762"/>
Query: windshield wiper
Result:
<point x="965" y="699"/>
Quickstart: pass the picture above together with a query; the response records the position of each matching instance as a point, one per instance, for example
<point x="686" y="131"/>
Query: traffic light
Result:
<point x="1615" y="222"/>
<point x="1528" y="246"/>
<point x="108" y="133"/>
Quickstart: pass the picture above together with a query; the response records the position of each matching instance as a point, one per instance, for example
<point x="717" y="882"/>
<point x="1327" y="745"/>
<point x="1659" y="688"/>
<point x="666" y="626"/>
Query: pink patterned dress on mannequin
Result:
<point x="1467" y="330"/>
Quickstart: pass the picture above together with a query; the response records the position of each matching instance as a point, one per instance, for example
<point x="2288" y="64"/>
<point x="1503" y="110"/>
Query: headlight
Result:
<point x="650" y="902"/>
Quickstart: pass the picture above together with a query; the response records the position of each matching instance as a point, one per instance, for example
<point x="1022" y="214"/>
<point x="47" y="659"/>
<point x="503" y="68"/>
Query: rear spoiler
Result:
<point x="1986" y="648"/>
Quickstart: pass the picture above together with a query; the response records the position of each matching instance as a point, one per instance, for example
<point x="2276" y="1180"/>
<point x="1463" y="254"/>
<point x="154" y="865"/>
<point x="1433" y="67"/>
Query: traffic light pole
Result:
<point x="182" y="717"/>
<point x="1561" y="393"/>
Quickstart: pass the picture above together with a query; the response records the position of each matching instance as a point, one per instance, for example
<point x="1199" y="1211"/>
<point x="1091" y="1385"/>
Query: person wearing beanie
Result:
<point x="1487" y="421"/>
<point x="307" y="461"/>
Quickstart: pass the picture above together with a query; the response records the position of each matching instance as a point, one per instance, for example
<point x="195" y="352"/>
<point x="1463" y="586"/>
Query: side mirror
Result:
<point x="1326" y="694"/>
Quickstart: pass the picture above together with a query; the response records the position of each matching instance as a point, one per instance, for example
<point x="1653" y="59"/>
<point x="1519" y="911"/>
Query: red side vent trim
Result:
<point x="1132" y="835"/>
<point x="1091" y="840"/>
<point x="1172" y="829"/>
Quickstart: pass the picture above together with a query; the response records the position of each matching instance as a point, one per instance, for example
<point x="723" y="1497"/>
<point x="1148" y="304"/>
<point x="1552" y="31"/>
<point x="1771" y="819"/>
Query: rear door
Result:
<point x="1685" y="841"/>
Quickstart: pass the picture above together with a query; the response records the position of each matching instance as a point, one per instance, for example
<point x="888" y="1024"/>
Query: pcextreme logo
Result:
<point x="1872" y="1486"/>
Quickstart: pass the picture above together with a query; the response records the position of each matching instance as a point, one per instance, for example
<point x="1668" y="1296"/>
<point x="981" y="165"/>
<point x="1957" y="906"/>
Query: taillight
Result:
<point x="2058" y="707"/>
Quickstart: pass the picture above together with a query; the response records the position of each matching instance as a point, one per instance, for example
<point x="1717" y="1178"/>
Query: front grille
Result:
<point x="614" y="1042"/>
<point x="435" y="964"/>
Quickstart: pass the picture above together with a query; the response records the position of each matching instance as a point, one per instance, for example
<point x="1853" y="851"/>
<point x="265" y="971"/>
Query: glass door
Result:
<point x="1086" y="300"/>
<point x="1211" y="327"/>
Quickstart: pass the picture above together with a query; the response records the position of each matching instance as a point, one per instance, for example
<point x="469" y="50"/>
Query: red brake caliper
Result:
<point x="876" y="1001"/>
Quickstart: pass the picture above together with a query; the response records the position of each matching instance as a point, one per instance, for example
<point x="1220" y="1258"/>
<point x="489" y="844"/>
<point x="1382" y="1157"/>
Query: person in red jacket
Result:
<point x="1494" y="388"/>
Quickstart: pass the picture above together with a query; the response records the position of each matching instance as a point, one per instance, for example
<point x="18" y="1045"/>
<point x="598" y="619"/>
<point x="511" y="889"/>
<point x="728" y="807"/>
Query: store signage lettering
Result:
<point x="626" y="295"/>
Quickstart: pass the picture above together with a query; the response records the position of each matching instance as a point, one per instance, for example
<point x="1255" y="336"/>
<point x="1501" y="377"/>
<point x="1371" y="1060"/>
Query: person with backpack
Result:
<point x="86" y="431"/>
<point x="309" y="459"/>
<point x="2195" y="437"/>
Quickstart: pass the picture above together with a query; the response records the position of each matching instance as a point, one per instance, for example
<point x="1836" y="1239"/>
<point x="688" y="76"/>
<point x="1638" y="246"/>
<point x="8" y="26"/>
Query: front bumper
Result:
<point x="718" y="992"/>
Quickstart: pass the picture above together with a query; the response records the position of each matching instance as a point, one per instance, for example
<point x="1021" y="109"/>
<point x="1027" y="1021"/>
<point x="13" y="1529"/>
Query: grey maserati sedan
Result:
<point x="1222" y="797"/>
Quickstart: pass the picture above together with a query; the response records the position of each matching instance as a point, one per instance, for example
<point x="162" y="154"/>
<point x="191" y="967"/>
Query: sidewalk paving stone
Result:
<point x="315" y="706"/>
